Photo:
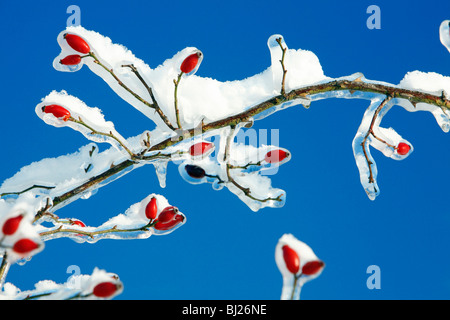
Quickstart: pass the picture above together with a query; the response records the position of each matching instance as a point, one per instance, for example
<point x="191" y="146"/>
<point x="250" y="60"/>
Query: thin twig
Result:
<point x="94" y="233"/>
<point x="150" y="92"/>
<point x="177" y="112"/>
<point x="370" y="132"/>
<point x="28" y="189"/>
<point x="110" y="134"/>
<point x="134" y="94"/>
<point x="283" y="92"/>
<point x="4" y="268"/>
<point x="245" y="166"/>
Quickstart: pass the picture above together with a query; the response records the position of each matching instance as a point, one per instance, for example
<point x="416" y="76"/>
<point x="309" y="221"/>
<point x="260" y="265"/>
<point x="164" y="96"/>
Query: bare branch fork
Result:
<point x="153" y="105"/>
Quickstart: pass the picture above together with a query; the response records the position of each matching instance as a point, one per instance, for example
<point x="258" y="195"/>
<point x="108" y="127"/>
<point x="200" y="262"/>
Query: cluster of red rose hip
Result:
<point x="21" y="246"/>
<point x="167" y="218"/>
<point x="292" y="261"/>
<point x="78" y="44"/>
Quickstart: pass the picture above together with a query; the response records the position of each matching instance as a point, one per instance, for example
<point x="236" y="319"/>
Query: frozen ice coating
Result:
<point x="198" y="97"/>
<point x="444" y="34"/>
<point x="133" y="224"/>
<point x="293" y="283"/>
<point x="78" y="287"/>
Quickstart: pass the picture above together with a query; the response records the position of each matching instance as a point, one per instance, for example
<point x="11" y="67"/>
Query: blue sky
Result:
<point x="226" y="251"/>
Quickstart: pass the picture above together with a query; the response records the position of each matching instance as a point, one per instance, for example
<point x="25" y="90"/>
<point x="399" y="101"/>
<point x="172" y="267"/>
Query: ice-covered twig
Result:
<point x="25" y="190"/>
<point x="283" y="49"/>
<point x="370" y="132"/>
<point x="4" y="268"/>
<point x="246" y="190"/>
<point x="297" y="263"/>
<point x="153" y="105"/>
<point x="136" y="223"/>
<point x="99" y="285"/>
<point x="110" y="134"/>
<point x="175" y="94"/>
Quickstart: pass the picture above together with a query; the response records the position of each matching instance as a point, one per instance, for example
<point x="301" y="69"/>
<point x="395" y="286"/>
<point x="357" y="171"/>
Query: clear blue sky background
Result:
<point x="226" y="251"/>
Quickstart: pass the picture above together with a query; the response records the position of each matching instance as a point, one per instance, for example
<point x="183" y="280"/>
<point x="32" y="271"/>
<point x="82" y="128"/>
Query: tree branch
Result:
<point x="246" y="116"/>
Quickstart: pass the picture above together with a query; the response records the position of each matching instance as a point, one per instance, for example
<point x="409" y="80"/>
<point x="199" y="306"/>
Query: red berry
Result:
<point x="312" y="267"/>
<point x="200" y="148"/>
<point x="190" y="62"/>
<point x="291" y="259"/>
<point x="167" y="214"/>
<point x="71" y="60"/>
<point x="78" y="223"/>
<point x="275" y="156"/>
<point x="25" y="246"/>
<point x="104" y="289"/>
<point x="58" y="111"/>
<point x="151" y="209"/>
<point x="77" y="43"/>
<point x="169" y="225"/>
<point x="195" y="172"/>
<point x="403" y="148"/>
<point x="11" y="225"/>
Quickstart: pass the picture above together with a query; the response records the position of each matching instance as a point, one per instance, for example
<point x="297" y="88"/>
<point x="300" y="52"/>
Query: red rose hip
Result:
<point x="167" y="214"/>
<point x="58" y="111"/>
<point x="200" y="148"/>
<point x="403" y="148"/>
<point x="104" y="289"/>
<point x="71" y="60"/>
<point x="11" y="225"/>
<point x="170" y="224"/>
<point x="312" y="267"/>
<point x="77" y="43"/>
<point x="291" y="259"/>
<point x="151" y="210"/>
<point x="78" y="223"/>
<point x="275" y="156"/>
<point x="25" y="246"/>
<point x="190" y="62"/>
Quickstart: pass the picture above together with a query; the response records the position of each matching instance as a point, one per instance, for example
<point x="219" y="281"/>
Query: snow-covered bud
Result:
<point x="191" y="62"/>
<point x="25" y="246"/>
<point x="105" y="289"/>
<point x="58" y="111"/>
<point x="151" y="210"/>
<point x="71" y="60"/>
<point x="77" y="43"/>
<point x="200" y="148"/>
<point x="403" y="148"/>
<point x="11" y="225"/>
<point x="276" y="156"/>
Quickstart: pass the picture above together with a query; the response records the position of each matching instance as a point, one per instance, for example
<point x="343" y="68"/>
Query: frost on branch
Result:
<point x="100" y="285"/>
<point x="135" y="223"/>
<point x="297" y="263"/>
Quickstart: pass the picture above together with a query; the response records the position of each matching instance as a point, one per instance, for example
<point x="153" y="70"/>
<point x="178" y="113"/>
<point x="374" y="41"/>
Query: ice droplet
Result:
<point x="161" y="172"/>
